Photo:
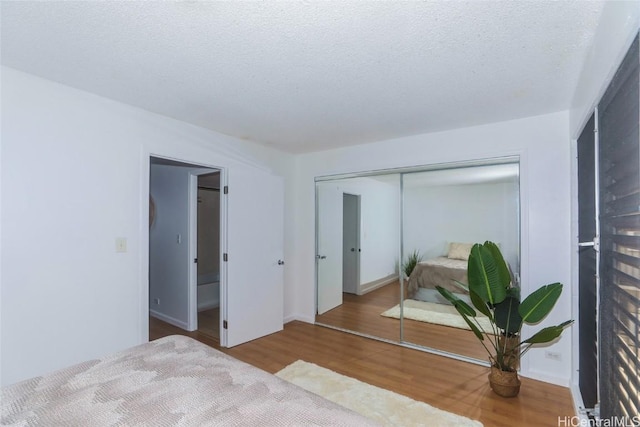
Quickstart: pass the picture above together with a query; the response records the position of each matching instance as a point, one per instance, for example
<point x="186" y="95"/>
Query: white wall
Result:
<point x="619" y="23"/>
<point x="74" y="176"/>
<point x="380" y="233"/>
<point x="168" y="253"/>
<point x="543" y="145"/>
<point x="435" y="216"/>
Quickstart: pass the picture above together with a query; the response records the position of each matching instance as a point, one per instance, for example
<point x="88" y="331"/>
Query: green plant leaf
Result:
<point x="514" y="292"/>
<point x="501" y="264"/>
<point x="473" y="327"/>
<point x="507" y="317"/>
<point x="462" y="307"/>
<point x="461" y="285"/>
<point x="547" y="334"/>
<point x="537" y="305"/>
<point x="449" y="296"/>
<point x="413" y="258"/>
<point x="485" y="276"/>
<point x="480" y="305"/>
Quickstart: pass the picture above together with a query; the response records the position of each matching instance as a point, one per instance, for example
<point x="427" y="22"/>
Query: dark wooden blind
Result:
<point x="619" y="164"/>
<point x="588" y="368"/>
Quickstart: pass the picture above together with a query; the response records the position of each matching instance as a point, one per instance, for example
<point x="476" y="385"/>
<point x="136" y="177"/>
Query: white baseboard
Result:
<point x="173" y="321"/>
<point x="207" y="305"/>
<point x="534" y="375"/>
<point x="299" y="317"/>
<point x="373" y="285"/>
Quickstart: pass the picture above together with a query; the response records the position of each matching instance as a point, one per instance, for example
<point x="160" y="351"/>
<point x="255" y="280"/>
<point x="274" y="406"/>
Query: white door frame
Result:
<point x="144" y="238"/>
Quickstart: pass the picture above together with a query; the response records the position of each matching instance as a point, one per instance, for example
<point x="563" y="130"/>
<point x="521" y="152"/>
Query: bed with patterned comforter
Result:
<point x="440" y="271"/>
<point x="171" y="381"/>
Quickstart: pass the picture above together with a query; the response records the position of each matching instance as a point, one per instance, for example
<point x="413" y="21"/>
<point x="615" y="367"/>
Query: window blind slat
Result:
<point x="619" y="194"/>
<point x="624" y="205"/>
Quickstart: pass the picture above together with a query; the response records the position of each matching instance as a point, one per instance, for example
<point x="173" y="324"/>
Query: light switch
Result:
<point x="121" y="244"/>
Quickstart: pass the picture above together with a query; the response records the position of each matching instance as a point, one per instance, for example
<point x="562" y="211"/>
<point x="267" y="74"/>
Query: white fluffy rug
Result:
<point x="384" y="406"/>
<point x="430" y="312"/>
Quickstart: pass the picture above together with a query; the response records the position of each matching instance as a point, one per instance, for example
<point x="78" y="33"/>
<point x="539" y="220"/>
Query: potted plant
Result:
<point x="412" y="259"/>
<point x="492" y="293"/>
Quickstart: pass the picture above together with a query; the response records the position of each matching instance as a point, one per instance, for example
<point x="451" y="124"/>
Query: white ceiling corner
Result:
<point x="305" y="76"/>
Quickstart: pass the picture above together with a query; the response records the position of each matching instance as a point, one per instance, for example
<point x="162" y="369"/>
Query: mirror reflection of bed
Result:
<point x="424" y="304"/>
<point x="437" y="212"/>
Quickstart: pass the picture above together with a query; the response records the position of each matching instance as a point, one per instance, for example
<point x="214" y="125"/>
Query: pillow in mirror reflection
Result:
<point x="459" y="250"/>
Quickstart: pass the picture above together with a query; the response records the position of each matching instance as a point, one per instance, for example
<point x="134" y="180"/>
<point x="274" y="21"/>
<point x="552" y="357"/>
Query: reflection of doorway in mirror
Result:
<point x="358" y="247"/>
<point x="350" y="243"/>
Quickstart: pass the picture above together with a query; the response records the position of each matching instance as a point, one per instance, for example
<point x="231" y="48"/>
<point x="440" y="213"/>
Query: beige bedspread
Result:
<point x="439" y="271"/>
<point x="171" y="381"/>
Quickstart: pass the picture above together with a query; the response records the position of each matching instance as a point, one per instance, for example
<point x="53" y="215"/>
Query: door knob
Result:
<point x="321" y="256"/>
<point x="280" y="262"/>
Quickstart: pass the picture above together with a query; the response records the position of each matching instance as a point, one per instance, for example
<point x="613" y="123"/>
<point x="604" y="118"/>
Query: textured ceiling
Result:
<point x="305" y="76"/>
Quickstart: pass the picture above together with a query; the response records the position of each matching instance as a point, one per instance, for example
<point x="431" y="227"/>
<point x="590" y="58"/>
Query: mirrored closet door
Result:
<point x="358" y="248"/>
<point x="386" y="240"/>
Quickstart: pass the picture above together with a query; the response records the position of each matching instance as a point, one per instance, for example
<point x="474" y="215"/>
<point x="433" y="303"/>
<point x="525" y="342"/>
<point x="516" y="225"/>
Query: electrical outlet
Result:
<point x="156" y="301"/>
<point x="553" y="355"/>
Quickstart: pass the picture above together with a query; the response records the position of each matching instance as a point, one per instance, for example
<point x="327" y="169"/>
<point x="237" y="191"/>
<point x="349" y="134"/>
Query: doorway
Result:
<point x="351" y="243"/>
<point x="251" y="231"/>
<point x="174" y="273"/>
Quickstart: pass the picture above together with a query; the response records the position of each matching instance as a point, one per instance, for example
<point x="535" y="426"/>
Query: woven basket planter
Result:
<point x="505" y="384"/>
<point x="511" y="358"/>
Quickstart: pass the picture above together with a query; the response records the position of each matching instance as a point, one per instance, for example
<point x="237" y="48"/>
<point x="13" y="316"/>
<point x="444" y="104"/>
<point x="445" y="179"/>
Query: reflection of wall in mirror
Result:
<point x="435" y="216"/>
<point x="379" y="225"/>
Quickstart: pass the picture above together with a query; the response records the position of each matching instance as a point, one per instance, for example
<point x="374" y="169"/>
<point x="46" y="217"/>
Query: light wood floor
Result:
<point x="209" y="323"/>
<point x="445" y="383"/>
<point x="361" y="313"/>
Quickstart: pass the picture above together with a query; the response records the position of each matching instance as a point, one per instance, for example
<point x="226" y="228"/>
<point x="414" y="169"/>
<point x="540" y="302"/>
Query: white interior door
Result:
<point x="329" y="256"/>
<point x="255" y="233"/>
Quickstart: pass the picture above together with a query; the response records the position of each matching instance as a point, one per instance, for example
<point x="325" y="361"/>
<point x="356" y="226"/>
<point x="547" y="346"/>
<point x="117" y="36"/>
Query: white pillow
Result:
<point x="460" y="250"/>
